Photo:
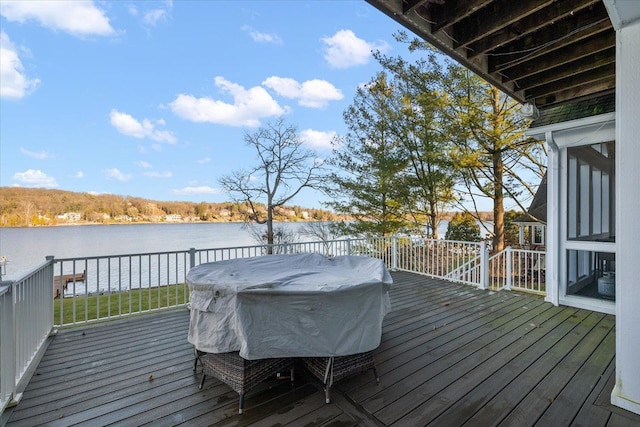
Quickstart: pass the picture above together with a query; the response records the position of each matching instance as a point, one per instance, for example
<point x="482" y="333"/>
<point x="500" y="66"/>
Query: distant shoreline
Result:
<point x="77" y="224"/>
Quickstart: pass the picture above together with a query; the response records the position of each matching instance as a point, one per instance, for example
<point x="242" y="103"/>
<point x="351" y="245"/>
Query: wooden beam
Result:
<point x="409" y="5"/>
<point x="447" y="14"/>
<point x="576" y="80"/>
<point x="558" y="57"/>
<point x="554" y="36"/>
<point x="602" y="87"/>
<point x="495" y="16"/>
<point x="530" y="24"/>
<point x="598" y="59"/>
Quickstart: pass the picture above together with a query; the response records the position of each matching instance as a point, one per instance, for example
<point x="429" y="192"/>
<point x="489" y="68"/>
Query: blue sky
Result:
<point x="153" y="98"/>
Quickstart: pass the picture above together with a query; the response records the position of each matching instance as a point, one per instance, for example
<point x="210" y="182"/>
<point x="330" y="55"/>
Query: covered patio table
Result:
<point x="296" y="305"/>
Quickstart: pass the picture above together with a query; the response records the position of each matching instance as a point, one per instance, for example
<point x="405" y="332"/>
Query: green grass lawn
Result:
<point x="96" y="307"/>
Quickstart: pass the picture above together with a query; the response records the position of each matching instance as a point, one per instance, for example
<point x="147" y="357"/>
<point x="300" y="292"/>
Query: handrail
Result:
<point x="518" y="269"/>
<point x="26" y="321"/>
<point x="7" y="344"/>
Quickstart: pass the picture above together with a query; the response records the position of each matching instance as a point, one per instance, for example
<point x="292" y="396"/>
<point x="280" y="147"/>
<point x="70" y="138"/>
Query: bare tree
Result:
<point x="284" y="168"/>
<point x="321" y="231"/>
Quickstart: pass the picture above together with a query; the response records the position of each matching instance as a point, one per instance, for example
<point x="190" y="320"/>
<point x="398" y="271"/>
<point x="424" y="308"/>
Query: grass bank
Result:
<point x="94" y="307"/>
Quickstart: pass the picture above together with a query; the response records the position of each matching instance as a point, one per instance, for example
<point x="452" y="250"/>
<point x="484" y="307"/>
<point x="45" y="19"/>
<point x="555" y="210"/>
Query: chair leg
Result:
<point x="202" y="380"/>
<point x="292" y="385"/>
<point x="241" y="404"/>
<point x="375" y="374"/>
<point x="195" y="363"/>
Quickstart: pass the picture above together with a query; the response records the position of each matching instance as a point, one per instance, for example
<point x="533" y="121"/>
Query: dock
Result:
<point x="60" y="282"/>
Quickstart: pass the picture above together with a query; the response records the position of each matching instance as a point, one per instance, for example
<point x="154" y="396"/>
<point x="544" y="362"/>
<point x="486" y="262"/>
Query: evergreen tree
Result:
<point x="368" y="163"/>
<point x="429" y="179"/>
<point x="463" y="227"/>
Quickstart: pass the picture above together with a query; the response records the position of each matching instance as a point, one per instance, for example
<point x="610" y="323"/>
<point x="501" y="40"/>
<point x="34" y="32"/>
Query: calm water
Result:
<point x="26" y="248"/>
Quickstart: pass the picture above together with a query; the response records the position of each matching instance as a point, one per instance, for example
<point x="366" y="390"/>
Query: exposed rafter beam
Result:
<point x="546" y="51"/>
<point x="495" y="16"/>
<point x="598" y="59"/>
<point x="556" y="36"/>
<point x="554" y="58"/>
<point x="409" y="5"/>
<point x="555" y="13"/>
<point x="576" y="80"/>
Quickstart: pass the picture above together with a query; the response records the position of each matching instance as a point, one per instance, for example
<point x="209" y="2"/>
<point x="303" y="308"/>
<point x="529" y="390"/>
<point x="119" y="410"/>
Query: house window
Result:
<point x="591" y="189"/>
<point x="591" y="273"/>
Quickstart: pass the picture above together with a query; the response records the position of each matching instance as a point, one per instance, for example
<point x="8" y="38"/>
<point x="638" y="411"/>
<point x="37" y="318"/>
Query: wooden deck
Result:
<point x="450" y="356"/>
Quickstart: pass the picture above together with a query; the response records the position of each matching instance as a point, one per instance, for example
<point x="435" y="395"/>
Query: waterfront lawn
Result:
<point x="113" y="304"/>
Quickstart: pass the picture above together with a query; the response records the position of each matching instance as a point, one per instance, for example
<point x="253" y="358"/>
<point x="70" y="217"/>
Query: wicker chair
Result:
<point x="242" y="374"/>
<point x="333" y="369"/>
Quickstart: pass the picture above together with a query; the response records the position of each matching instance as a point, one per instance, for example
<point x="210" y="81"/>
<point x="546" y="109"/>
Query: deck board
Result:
<point x="450" y="355"/>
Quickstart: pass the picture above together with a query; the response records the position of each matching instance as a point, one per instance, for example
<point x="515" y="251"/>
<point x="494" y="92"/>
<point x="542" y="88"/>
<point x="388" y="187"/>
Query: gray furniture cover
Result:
<point x="298" y="305"/>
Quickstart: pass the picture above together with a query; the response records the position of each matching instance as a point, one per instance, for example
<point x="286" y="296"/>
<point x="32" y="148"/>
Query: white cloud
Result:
<point x="203" y="189"/>
<point x="79" y="17"/>
<point x="312" y="93"/>
<point x="205" y="160"/>
<point x="317" y="139"/>
<point x="344" y="49"/>
<point x="79" y="174"/>
<point x="115" y="174"/>
<point x="248" y="107"/>
<point x="143" y="164"/>
<point x="35" y="178"/>
<point x="261" y="37"/>
<point x="152" y="17"/>
<point x="40" y="155"/>
<point x="158" y="174"/>
<point x="128" y="125"/>
<point x="14" y="83"/>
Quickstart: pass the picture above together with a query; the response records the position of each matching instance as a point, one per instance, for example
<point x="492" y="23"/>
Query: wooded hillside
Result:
<point x="35" y="206"/>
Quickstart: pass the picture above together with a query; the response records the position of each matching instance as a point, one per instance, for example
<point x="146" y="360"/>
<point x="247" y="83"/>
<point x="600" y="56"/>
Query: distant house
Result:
<point x="173" y="218"/>
<point x="70" y="217"/>
<point x="532" y="225"/>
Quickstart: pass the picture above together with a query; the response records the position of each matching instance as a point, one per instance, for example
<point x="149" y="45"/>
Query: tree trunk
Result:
<point x="269" y="229"/>
<point x="498" y="202"/>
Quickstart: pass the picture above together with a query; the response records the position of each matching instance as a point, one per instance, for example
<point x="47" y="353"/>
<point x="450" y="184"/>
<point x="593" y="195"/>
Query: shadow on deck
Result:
<point x="450" y="356"/>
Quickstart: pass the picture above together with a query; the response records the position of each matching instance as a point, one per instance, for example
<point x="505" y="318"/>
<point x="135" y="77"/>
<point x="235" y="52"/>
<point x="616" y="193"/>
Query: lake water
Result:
<point x="26" y="248"/>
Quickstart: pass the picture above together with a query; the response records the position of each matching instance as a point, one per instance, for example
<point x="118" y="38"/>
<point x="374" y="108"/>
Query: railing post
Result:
<point x="8" y="381"/>
<point x="192" y="258"/>
<point x="348" y="246"/>
<point x="509" y="256"/>
<point x="394" y="254"/>
<point x="484" y="265"/>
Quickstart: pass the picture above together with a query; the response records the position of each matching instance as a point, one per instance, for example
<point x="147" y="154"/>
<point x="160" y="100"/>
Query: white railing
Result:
<point x="99" y="288"/>
<point x="451" y="260"/>
<point x="518" y="269"/>
<point x="7" y="338"/>
<point x="26" y="321"/>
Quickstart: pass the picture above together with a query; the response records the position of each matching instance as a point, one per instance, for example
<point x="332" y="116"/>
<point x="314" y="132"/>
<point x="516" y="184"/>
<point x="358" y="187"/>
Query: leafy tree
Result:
<point x="491" y="153"/>
<point x="428" y="181"/>
<point x="283" y="169"/>
<point x="367" y="164"/>
<point x="511" y="230"/>
<point x="463" y="227"/>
